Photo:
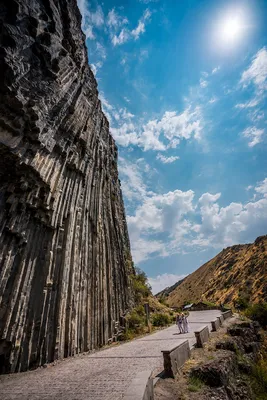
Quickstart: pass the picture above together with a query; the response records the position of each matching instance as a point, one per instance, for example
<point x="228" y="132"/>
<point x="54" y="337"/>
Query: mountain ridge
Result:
<point x="237" y="270"/>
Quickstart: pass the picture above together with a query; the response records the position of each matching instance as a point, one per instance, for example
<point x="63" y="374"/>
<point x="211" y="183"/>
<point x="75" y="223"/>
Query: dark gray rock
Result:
<point x="64" y="247"/>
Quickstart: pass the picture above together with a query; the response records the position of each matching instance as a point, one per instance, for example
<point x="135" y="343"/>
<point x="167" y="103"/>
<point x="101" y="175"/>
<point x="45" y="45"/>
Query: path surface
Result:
<point x="104" y="375"/>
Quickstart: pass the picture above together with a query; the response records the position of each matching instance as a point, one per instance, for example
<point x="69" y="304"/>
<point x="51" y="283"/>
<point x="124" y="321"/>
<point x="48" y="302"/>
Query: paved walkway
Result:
<point x="104" y="375"/>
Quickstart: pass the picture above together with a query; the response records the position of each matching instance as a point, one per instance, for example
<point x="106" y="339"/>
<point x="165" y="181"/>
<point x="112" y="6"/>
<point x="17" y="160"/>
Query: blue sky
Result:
<point x="184" y="84"/>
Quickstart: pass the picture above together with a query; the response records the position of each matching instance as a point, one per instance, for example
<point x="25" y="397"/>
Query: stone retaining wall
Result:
<point x="215" y="325"/>
<point x="227" y="314"/>
<point x="202" y="336"/>
<point x="175" y="358"/>
<point x="141" y="387"/>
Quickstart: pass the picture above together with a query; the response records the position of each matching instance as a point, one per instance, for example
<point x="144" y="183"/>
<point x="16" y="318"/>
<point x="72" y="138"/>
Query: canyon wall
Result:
<point x="64" y="249"/>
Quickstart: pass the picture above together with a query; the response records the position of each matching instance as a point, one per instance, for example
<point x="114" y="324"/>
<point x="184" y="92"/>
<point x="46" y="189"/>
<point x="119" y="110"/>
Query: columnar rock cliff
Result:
<point x="64" y="247"/>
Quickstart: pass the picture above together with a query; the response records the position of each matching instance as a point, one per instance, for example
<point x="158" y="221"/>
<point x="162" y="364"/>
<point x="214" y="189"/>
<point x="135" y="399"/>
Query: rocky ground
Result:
<point x="221" y="370"/>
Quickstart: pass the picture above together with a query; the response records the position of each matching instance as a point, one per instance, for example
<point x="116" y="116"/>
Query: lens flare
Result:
<point x="232" y="28"/>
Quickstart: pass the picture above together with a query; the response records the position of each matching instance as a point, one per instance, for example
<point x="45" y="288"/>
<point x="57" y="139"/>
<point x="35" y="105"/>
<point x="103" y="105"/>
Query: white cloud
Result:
<point x="159" y="213"/>
<point x="167" y="160"/>
<point x="125" y="135"/>
<point x="96" y="67"/>
<point x="172" y="127"/>
<point x="101" y="51"/>
<point x="254" y="135"/>
<point x="235" y="223"/>
<point x="121" y="38"/>
<point x="173" y="216"/>
<point x="213" y="100"/>
<point x="215" y="70"/>
<point x="115" y="20"/>
<point x="127" y="34"/>
<point x="203" y="83"/>
<point x="249" y="104"/>
<point x="262" y="187"/>
<point x="163" y="281"/>
<point x="90" y="19"/>
<point x="138" y="30"/>
<point x="132" y="183"/>
<point x="126" y="114"/>
<point x="257" y="71"/>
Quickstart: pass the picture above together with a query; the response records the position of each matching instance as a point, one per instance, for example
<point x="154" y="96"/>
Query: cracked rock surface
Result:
<point x="64" y="249"/>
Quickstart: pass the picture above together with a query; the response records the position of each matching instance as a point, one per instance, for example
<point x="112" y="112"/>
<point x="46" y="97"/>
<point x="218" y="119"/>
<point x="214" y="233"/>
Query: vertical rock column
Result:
<point x="64" y="247"/>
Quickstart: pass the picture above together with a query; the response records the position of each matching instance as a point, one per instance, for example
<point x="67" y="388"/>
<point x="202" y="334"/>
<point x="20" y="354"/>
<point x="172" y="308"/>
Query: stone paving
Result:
<point x="104" y="375"/>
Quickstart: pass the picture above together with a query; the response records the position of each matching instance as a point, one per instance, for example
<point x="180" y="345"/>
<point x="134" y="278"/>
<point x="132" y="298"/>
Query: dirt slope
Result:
<point x="241" y="268"/>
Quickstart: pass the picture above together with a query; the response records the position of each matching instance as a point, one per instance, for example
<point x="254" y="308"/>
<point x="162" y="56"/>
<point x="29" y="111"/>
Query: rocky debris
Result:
<point x="65" y="253"/>
<point x="225" y="376"/>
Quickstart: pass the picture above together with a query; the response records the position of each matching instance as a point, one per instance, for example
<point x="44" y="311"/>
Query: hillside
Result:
<point x="236" y="269"/>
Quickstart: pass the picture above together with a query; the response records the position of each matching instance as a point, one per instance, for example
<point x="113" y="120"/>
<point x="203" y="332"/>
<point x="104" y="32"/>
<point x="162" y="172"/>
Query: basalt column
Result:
<point x="64" y="247"/>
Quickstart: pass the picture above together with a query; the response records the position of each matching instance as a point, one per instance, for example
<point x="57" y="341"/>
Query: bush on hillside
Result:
<point x="136" y="318"/>
<point x="161" y="319"/>
<point x="140" y="285"/>
<point x="258" y="312"/>
<point x="242" y="301"/>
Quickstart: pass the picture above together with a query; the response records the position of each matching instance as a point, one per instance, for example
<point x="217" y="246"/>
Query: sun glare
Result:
<point x="231" y="28"/>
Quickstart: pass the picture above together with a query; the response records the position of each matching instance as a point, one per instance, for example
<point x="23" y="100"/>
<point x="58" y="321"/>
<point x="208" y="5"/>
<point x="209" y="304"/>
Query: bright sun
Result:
<point x="231" y="29"/>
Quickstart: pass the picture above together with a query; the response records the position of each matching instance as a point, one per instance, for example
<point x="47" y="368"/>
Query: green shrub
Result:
<point x="258" y="312"/>
<point x="140" y="285"/>
<point x="242" y="301"/>
<point x="136" y="318"/>
<point x="209" y="303"/>
<point x="161" y="319"/>
<point x="195" y="384"/>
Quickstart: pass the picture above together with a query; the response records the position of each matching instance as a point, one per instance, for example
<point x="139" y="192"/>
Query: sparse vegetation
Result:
<point x="259" y="374"/>
<point x="209" y="303"/>
<point x="258" y="312"/>
<point x="161" y="319"/>
<point x="136" y="320"/>
<point x="140" y="285"/>
<point x="195" y="384"/>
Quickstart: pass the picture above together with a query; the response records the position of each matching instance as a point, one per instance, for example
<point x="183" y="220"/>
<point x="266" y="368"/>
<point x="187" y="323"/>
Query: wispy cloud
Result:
<point x="167" y="160"/>
<point x="249" y="104"/>
<point x="171" y="128"/>
<point x="257" y="71"/>
<point x="115" y="20"/>
<point x="163" y="281"/>
<point x="215" y="70"/>
<point x="90" y="19"/>
<point x="203" y="83"/>
<point x="126" y="34"/>
<point x="213" y="100"/>
<point x="254" y="135"/>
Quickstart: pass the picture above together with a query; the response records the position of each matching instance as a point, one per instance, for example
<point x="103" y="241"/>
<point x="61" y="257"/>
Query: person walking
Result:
<point x="184" y="323"/>
<point x="179" y="323"/>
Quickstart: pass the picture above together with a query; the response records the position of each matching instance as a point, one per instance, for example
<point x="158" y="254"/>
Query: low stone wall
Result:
<point x="141" y="387"/>
<point x="175" y="358"/>
<point x="227" y="314"/>
<point x="215" y="325"/>
<point x="220" y="319"/>
<point x="202" y="336"/>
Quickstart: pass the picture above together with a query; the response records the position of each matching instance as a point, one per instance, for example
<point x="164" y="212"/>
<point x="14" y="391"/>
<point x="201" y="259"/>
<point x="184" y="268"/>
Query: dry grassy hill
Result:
<point x="241" y="268"/>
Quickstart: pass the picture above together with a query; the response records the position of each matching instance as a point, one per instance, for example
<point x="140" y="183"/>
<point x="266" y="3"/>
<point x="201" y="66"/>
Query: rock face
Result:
<point x="65" y="255"/>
